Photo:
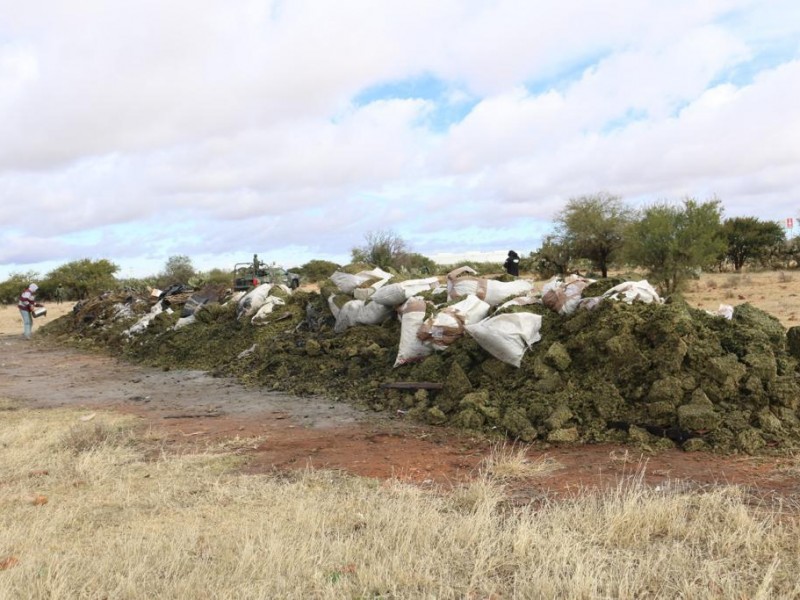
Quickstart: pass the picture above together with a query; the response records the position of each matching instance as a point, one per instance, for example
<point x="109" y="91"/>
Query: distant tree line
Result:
<point x="669" y="242"/>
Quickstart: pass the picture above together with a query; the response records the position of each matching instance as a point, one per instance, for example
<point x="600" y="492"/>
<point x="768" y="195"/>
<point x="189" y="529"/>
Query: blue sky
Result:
<point x="138" y="131"/>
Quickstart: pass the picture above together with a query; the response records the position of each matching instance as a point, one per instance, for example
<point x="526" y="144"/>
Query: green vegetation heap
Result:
<point x="656" y="375"/>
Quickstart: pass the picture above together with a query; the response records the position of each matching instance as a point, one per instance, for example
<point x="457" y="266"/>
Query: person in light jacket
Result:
<point x="27" y="303"/>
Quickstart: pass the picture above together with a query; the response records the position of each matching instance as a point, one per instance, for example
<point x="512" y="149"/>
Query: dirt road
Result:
<point x="191" y="407"/>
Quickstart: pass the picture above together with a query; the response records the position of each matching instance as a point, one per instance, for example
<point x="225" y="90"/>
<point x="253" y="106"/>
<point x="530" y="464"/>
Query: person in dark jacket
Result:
<point x="512" y="263"/>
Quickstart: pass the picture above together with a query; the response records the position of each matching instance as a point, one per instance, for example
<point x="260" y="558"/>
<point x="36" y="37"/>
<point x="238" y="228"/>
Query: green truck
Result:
<point x="248" y="275"/>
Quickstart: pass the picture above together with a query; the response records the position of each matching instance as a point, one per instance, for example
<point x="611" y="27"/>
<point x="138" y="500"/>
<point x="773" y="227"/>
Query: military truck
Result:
<point x="248" y="275"/>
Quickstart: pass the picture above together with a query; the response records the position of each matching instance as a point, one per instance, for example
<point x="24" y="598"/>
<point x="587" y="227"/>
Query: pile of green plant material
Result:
<point x="656" y="375"/>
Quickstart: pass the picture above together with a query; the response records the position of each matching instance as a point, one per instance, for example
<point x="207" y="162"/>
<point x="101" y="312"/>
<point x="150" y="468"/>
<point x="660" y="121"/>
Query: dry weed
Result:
<point x="508" y="461"/>
<point x="83" y="437"/>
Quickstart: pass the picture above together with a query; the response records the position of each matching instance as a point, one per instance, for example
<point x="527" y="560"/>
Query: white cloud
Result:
<point x="144" y="128"/>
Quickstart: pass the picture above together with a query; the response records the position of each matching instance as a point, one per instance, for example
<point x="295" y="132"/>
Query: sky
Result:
<point x="136" y="131"/>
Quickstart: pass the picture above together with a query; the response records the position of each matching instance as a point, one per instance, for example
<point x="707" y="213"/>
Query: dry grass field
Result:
<point x="87" y="510"/>
<point x="776" y="292"/>
<point x="94" y="504"/>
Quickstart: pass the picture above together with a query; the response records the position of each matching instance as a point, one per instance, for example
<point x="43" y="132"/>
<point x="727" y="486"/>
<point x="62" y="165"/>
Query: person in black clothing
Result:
<point x="512" y="263"/>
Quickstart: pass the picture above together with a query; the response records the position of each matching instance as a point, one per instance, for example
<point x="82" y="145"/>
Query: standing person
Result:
<point x="27" y="302"/>
<point x="512" y="263"/>
<point x="59" y="294"/>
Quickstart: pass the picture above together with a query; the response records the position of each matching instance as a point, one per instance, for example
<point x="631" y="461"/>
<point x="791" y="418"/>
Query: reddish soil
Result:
<point x="189" y="409"/>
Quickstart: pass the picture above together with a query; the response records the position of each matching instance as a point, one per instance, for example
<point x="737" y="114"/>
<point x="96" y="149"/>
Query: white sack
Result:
<point x="458" y="286"/>
<point x="490" y="290"/>
<point x="508" y="336"/>
<point x="394" y="294"/>
<point x="590" y="303"/>
<point x="347" y="315"/>
<point x="347" y="282"/>
<point x="363" y="293"/>
<point x="634" y="290"/>
<point x="269" y="305"/>
<point x="358" y="312"/>
<point x="497" y="291"/>
<point x="564" y="297"/>
<point x="521" y="301"/>
<point x="373" y="313"/>
<point x="447" y="326"/>
<point x="412" y="314"/>
<point x="142" y="323"/>
<point x="725" y="311"/>
<point x="234" y="299"/>
<point x="184" y="321"/>
<point x="253" y="300"/>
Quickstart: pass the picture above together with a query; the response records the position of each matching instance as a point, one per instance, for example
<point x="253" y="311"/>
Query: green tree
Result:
<point x="384" y="249"/>
<point x="552" y="258"/>
<point x="749" y="238"/>
<point x="83" y="277"/>
<point x="216" y="276"/>
<point x="673" y="241"/>
<point x="178" y="269"/>
<point x="11" y="288"/>
<point x="317" y="270"/>
<point x="417" y="263"/>
<point x="593" y="227"/>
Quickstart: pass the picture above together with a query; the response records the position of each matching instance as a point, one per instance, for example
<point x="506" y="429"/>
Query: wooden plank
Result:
<point x="412" y="385"/>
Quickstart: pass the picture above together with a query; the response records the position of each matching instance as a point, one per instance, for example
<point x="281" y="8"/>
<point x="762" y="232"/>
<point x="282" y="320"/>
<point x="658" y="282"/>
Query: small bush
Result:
<point x="317" y="270"/>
